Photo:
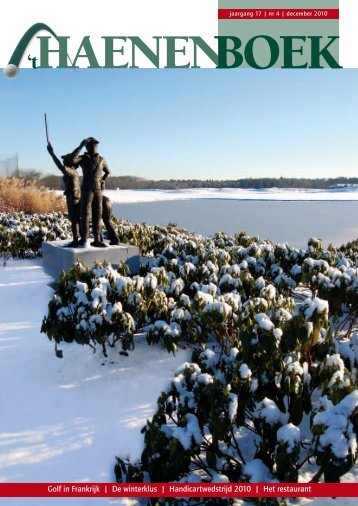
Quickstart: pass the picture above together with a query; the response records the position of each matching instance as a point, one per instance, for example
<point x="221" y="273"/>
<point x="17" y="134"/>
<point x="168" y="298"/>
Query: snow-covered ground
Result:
<point x="65" y="420"/>
<point x="280" y="194"/>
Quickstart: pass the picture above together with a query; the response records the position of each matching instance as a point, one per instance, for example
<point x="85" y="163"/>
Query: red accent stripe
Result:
<point x="178" y="490"/>
<point x="274" y="14"/>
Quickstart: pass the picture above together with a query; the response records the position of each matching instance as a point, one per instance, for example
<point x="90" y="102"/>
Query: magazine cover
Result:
<point x="179" y="253"/>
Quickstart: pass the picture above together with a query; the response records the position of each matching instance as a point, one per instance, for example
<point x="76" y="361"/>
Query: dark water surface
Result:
<point x="292" y="222"/>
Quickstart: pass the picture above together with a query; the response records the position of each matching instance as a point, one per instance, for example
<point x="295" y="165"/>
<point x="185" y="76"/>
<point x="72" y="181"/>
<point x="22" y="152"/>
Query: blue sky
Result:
<point x="204" y="124"/>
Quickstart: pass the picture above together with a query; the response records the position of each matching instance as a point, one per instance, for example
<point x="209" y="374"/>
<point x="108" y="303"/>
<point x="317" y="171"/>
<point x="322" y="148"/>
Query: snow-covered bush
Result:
<point x="103" y="305"/>
<point x="273" y="330"/>
<point x="227" y="412"/>
<point x="274" y="396"/>
<point x="21" y="235"/>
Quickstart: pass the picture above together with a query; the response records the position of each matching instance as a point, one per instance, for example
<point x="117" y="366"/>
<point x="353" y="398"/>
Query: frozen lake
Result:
<point x="280" y="221"/>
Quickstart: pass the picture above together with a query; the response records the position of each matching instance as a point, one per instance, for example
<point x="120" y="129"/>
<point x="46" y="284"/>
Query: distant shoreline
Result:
<point x="244" y="195"/>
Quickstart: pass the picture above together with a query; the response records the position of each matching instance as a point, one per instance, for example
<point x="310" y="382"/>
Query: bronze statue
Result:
<point x="95" y="172"/>
<point x="107" y="220"/>
<point x="73" y="199"/>
<point x="72" y="193"/>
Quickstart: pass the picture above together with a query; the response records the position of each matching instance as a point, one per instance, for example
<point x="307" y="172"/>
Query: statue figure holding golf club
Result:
<point x="72" y="193"/>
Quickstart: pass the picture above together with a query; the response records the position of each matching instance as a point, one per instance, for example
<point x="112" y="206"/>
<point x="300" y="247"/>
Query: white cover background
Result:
<point x="137" y="17"/>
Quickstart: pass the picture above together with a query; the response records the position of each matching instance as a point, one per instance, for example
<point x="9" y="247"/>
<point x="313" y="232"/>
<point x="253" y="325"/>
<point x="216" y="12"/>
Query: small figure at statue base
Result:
<point x="107" y="220"/>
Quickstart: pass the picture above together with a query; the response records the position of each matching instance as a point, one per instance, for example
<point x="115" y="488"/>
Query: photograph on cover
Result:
<point x="179" y="279"/>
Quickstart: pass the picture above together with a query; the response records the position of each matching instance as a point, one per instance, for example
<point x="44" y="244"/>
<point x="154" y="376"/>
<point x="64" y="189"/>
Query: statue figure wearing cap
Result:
<point x="95" y="172"/>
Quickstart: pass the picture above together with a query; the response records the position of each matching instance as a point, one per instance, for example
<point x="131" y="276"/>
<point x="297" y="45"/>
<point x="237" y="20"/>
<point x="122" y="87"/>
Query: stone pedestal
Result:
<point x="57" y="258"/>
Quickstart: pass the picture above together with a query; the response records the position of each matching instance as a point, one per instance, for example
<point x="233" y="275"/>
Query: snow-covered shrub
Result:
<point x="104" y="305"/>
<point x="21" y="235"/>
<point x="335" y="436"/>
<point x="85" y="310"/>
<point x="227" y="412"/>
<point x="274" y="334"/>
<point x="266" y="368"/>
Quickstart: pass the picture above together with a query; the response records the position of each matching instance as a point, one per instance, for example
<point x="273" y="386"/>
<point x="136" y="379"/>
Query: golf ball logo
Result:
<point x="12" y="68"/>
<point x="11" y="71"/>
